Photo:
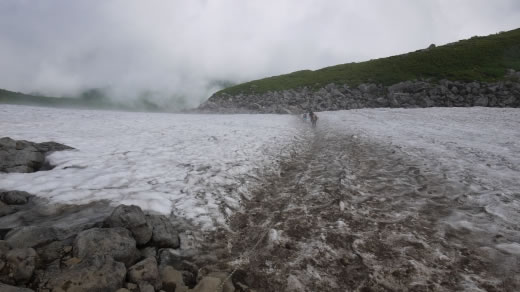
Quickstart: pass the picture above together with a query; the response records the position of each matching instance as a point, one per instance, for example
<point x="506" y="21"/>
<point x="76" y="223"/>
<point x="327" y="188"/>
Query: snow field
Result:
<point x="194" y="166"/>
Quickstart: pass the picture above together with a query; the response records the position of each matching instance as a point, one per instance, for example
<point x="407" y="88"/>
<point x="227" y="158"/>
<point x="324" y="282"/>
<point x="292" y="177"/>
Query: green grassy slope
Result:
<point x="479" y="58"/>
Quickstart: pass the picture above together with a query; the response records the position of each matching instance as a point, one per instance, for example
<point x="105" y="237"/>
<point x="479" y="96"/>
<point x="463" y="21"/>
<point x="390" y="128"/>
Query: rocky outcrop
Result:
<point x="94" y="247"/>
<point x="133" y="219"/>
<point x="24" y="156"/>
<point x="116" y="242"/>
<point x="408" y="94"/>
<point x="58" y="251"/>
<point x="164" y="234"/>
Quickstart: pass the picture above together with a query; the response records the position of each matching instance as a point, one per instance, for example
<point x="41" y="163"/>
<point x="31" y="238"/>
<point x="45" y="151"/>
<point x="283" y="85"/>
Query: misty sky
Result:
<point x="62" y="47"/>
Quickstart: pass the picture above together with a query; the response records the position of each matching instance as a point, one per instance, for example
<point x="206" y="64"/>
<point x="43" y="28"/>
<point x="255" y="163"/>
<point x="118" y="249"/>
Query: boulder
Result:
<point x="14" y="197"/>
<point x="21" y="263"/>
<point x="145" y="271"/>
<point x="115" y="242"/>
<point x="133" y="219"/>
<point x="98" y="273"/>
<point x="24" y="156"/>
<point x="163" y="234"/>
<point x="31" y="236"/>
<point x="172" y="280"/>
<point x="7" y="288"/>
<point x="18" y="156"/>
<point x="6" y="209"/>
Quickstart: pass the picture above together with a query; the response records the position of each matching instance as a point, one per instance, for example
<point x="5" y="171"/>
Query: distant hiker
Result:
<point x="314" y="118"/>
<point x="305" y="117"/>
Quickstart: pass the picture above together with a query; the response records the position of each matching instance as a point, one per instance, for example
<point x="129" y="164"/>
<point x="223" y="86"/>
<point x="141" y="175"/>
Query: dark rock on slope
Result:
<point x="24" y="156"/>
<point x="407" y="94"/>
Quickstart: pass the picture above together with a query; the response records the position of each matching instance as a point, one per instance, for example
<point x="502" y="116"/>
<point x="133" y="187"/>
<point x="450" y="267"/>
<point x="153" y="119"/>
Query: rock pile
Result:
<point x="128" y="251"/>
<point x="24" y="156"/>
<point x="408" y="94"/>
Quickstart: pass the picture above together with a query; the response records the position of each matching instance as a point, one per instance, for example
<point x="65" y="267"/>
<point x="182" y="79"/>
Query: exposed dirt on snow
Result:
<point x="349" y="214"/>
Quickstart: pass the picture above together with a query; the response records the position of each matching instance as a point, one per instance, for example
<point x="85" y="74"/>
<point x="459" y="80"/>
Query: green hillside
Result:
<point x="479" y="58"/>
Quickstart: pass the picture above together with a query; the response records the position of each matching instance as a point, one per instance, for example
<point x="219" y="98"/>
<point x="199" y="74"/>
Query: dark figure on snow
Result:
<point x="313" y="117"/>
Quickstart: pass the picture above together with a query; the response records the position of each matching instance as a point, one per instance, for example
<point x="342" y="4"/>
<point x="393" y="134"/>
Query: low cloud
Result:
<point x="182" y="51"/>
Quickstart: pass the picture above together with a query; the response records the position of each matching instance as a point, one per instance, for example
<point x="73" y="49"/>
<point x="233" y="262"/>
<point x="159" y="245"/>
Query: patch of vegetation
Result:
<point x="479" y="58"/>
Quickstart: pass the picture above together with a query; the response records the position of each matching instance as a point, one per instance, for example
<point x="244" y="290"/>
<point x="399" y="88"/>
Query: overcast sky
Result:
<point x="61" y="47"/>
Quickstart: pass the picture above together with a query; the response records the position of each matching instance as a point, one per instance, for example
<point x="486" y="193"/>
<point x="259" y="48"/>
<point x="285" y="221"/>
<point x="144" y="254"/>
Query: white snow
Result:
<point x="196" y="166"/>
<point x="476" y="149"/>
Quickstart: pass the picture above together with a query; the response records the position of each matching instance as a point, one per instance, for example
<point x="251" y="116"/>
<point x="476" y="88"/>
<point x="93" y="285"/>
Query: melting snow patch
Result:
<point x="194" y="166"/>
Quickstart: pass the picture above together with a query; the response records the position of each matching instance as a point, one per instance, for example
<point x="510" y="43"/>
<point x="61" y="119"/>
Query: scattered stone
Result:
<point x="133" y="219"/>
<point x="116" y="242"/>
<point x="98" y="273"/>
<point x="14" y="197"/>
<point x="7" y="288"/>
<point x="164" y="234"/>
<point x="122" y="290"/>
<point x="145" y="271"/>
<point x="31" y="236"/>
<point x="172" y="279"/>
<point x="21" y="263"/>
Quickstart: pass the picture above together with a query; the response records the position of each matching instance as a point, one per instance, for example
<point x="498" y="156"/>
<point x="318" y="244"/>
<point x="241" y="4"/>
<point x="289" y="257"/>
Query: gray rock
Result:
<point x="145" y="287"/>
<point x="49" y="147"/>
<point x="149" y="251"/>
<point x="115" y="242"/>
<point x="6" y="210"/>
<point x="24" y="156"/>
<point x="97" y="273"/>
<point x="172" y="280"/>
<point x="31" y="236"/>
<point x="7" y="288"/>
<point x="14" y="197"/>
<point x="133" y="219"/>
<point x="170" y="257"/>
<point x="145" y="271"/>
<point x="19" y="156"/>
<point x="52" y="251"/>
<point x="481" y="101"/>
<point x="4" y="247"/>
<point x="21" y="263"/>
<point x="164" y="234"/>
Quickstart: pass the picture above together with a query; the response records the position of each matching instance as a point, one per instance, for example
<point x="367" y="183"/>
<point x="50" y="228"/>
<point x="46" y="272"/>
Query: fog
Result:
<point x="176" y="53"/>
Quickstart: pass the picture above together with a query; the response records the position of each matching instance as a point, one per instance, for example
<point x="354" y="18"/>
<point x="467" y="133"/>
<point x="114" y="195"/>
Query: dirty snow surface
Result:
<point x="391" y="200"/>
<point x="196" y="166"/>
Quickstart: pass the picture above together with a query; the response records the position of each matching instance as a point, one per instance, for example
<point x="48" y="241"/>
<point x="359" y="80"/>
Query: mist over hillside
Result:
<point x="169" y="53"/>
